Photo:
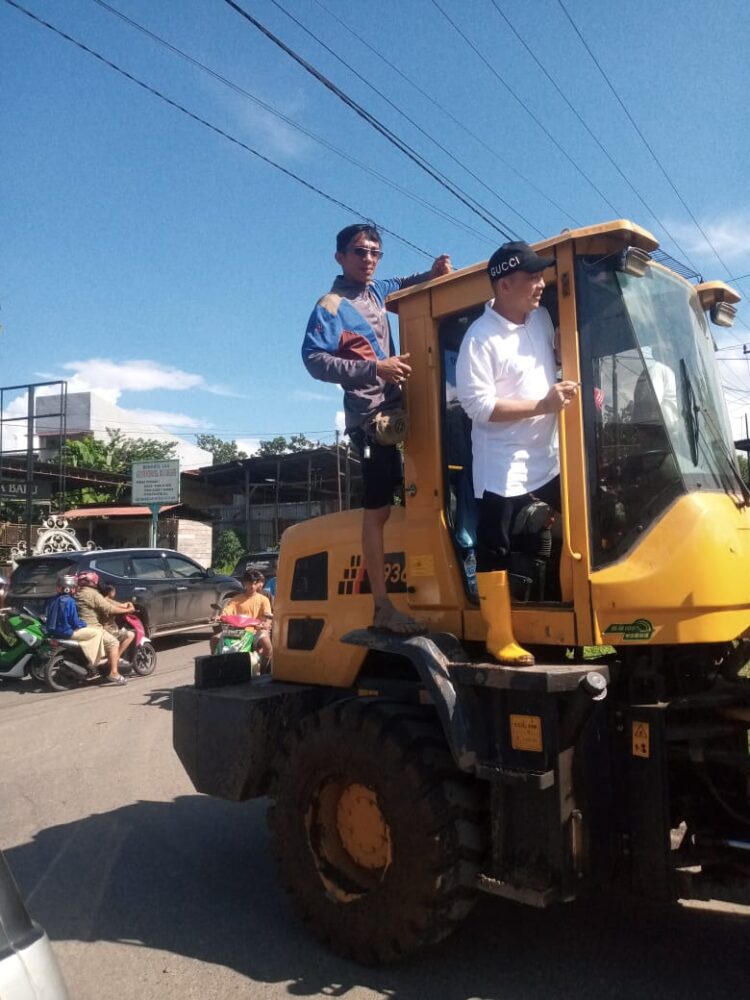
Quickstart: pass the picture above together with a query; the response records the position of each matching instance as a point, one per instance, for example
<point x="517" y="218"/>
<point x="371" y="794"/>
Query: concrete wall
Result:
<point x="195" y="539"/>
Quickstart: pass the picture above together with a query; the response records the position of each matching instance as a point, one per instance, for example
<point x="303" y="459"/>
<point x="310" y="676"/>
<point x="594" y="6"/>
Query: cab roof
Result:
<point x="623" y="230"/>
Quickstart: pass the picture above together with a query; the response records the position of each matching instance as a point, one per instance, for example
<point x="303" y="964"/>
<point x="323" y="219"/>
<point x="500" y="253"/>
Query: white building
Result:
<point x="89" y="415"/>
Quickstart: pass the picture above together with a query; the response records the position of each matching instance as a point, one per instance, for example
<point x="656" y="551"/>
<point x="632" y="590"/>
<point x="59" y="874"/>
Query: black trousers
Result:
<point x="496" y="516"/>
<point x="382" y="473"/>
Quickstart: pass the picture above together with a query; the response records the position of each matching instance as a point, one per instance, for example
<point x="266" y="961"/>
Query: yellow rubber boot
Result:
<point x="494" y="603"/>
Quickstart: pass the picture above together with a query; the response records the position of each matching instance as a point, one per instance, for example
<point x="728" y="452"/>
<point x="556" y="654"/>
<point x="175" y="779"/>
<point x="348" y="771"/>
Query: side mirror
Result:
<point x="210" y="573"/>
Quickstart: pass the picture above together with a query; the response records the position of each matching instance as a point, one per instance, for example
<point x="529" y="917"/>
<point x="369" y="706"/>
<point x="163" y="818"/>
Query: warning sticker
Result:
<point x="422" y="565"/>
<point x="526" y="733"/>
<point x="641" y="733"/>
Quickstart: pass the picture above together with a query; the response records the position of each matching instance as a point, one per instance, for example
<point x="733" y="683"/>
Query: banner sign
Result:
<point x="155" y="482"/>
<point x="15" y="489"/>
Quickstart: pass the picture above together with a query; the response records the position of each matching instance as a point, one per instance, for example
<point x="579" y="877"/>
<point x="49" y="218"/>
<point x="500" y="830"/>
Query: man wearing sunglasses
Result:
<point x="348" y="341"/>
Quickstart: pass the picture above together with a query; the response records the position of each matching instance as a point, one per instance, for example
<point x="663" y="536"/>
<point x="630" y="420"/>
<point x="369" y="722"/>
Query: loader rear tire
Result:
<point x="378" y="835"/>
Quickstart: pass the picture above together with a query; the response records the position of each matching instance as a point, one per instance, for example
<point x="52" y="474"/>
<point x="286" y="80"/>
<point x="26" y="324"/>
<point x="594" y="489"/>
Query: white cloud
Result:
<point x="730" y="235"/>
<point x="143" y="422"/>
<point x="110" y="378"/>
<point x="14" y="434"/>
<point x="280" y="137"/>
<point x="340" y="421"/>
<point x="248" y="445"/>
<point x="309" y="396"/>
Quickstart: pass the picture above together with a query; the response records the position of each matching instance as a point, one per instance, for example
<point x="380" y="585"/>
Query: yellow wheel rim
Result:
<point x="362" y="827"/>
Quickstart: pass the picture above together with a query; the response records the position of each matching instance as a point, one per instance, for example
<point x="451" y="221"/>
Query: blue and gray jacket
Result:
<point x="347" y="334"/>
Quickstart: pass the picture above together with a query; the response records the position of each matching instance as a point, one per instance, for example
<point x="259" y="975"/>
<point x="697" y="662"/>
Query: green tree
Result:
<point x="116" y="454"/>
<point x="227" y="551"/>
<point x="222" y="451"/>
<point x="275" y="446"/>
<point x="280" y="445"/>
<point x="298" y="442"/>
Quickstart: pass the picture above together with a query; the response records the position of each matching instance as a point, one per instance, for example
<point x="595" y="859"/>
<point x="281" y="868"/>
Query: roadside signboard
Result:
<point x="15" y="489"/>
<point x="155" y="482"/>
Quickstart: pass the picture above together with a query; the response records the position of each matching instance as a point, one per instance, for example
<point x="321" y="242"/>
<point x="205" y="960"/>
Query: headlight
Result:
<point x="28" y="637"/>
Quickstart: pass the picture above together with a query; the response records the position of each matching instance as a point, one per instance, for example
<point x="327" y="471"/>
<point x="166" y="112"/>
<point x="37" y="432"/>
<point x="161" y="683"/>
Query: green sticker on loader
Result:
<point x="640" y="629"/>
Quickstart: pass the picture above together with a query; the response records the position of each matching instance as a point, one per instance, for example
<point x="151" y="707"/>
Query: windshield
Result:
<point x="656" y="420"/>
<point x="39" y="576"/>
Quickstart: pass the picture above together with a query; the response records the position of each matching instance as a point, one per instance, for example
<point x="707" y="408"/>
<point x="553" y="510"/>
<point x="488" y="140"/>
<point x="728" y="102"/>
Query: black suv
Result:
<point x="174" y="592"/>
<point x="264" y="561"/>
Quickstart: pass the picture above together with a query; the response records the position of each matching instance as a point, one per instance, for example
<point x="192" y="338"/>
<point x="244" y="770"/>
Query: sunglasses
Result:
<point x="366" y="252"/>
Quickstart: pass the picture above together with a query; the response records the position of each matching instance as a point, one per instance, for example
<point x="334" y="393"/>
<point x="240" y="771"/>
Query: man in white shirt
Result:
<point x="506" y="382"/>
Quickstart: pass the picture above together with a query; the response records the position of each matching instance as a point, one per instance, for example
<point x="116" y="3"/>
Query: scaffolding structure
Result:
<point x="19" y="462"/>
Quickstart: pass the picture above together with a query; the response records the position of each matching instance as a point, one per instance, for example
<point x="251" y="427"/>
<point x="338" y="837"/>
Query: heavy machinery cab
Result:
<point x="650" y="484"/>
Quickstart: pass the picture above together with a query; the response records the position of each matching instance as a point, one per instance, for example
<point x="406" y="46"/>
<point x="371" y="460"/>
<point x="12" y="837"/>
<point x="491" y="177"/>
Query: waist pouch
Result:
<point x="388" y="428"/>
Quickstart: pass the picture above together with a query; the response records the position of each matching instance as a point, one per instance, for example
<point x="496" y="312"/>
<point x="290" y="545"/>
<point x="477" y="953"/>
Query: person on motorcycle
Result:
<point x="7" y="635"/>
<point x="99" y="611"/>
<point x="253" y="604"/>
<point x="118" y="628"/>
<point x="64" y="622"/>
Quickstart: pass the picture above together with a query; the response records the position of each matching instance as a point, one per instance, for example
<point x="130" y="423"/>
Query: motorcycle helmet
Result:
<point x="88" y="578"/>
<point x="67" y="583"/>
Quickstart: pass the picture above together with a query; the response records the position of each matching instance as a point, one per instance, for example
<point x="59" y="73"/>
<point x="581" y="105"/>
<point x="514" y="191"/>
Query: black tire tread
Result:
<point x="443" y="804"/>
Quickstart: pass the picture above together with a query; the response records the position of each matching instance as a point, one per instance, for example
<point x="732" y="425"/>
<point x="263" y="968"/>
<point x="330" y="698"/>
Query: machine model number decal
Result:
<point x="641" y="628"/>
<point x="354" y="579"/>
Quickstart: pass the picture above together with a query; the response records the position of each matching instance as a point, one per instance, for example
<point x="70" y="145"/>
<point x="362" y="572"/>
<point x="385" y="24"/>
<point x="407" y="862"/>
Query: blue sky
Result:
<point x="154" y="261"/>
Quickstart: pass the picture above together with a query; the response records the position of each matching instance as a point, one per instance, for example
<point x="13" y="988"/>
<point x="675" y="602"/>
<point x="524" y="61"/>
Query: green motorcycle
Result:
<point x="24" y="646"/>
<point x="236" y="634"/>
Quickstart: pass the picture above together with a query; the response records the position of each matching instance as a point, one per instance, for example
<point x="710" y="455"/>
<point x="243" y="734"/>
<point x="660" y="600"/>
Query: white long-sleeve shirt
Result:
<point x="502" y="360"/>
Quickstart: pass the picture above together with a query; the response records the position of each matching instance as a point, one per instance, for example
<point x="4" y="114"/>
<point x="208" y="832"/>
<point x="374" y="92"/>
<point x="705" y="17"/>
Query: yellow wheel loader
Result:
<point x="406" y="775"/>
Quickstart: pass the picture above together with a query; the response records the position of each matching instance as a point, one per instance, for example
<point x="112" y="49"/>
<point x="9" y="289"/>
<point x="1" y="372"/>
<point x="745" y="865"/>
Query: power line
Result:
<point x="403" y="114"/>
<point x="580" y="118"/>
<point x="374" y="123"/>
<point x="525" y="107"/>
<point x="456" y="121"/>
<point x="291" y="122"/>
<point x="642" y="136"/>
<point x="209" y="125"/>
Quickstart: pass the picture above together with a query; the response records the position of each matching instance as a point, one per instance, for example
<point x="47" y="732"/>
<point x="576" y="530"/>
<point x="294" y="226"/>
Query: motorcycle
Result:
<point x="237" y="635"/>
<point x="67" y="666"/>
<point x="24" y="645"/>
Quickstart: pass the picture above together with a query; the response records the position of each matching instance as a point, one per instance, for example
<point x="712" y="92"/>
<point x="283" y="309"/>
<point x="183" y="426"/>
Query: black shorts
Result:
<point x="381" y="472"/>
<point x="496" y="515"/>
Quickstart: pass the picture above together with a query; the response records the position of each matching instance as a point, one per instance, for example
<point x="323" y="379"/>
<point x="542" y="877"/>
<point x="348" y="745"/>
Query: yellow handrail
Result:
<point x="576" y="556"/>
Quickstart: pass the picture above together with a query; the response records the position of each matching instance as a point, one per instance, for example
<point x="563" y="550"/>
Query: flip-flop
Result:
<point x="389" y="619"/>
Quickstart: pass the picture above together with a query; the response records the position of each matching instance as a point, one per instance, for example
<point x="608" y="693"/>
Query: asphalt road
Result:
<point x="151" y="892"/>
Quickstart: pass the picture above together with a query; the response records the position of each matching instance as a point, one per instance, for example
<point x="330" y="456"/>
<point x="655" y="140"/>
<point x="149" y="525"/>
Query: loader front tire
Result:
<point x="378" y="835"/>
